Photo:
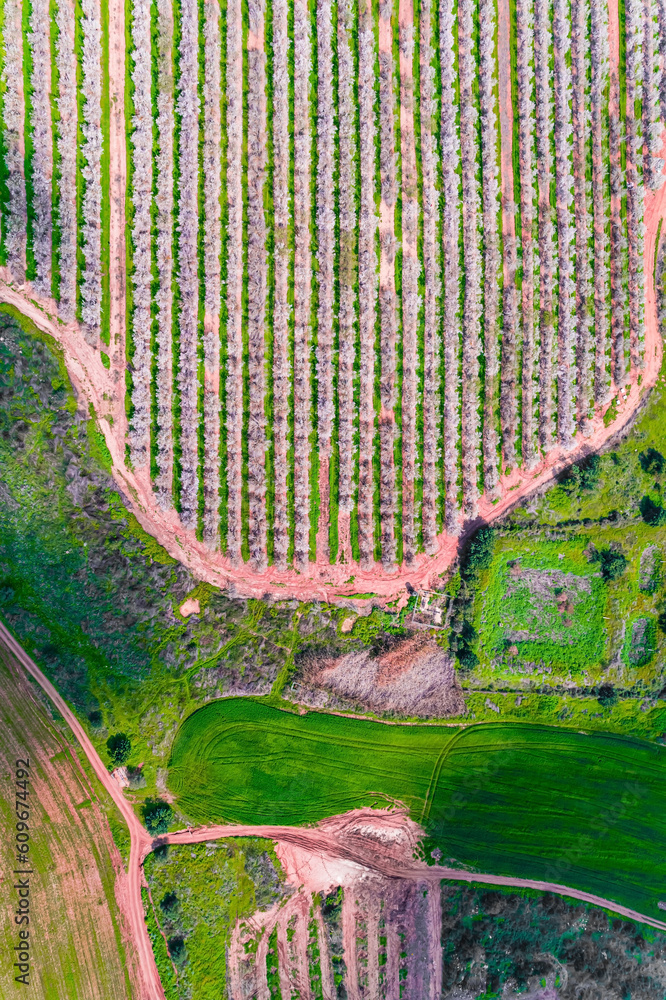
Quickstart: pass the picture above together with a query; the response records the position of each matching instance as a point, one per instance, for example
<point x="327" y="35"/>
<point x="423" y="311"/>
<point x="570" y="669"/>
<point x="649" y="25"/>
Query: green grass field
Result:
<point x="545" y="604"/>
<point x="528" y="801"/>
<point x="242" y="760"/>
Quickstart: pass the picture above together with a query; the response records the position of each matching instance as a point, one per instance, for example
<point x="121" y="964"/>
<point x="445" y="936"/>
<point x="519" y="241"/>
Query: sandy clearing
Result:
<point x="190" y="607"/>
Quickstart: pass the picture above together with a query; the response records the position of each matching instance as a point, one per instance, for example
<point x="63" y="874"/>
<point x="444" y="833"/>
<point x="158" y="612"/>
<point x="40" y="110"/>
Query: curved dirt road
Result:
<point x="105" y="391"/>
<point x="319" y="841"/>
<point x="331" y="838"/>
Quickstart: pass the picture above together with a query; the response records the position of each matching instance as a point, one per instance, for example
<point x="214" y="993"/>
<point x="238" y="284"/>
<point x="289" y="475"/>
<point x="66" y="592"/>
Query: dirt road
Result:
<point x="104" y="389"/>
<point x="320" y="841"/>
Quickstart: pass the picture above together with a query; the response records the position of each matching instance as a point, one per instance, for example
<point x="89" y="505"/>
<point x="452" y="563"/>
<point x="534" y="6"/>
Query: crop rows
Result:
<point x="345" y="318"/>
<point x="142" y="185"/>
<point x="53" y="140"/>
<point x="41" y="134"/>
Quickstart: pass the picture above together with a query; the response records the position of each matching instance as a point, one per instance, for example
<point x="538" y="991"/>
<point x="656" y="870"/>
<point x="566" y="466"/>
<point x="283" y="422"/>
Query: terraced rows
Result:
<point x="375" y="256"/>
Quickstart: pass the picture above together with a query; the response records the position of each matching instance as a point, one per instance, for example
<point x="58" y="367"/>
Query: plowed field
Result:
<point x="76" y="942"/>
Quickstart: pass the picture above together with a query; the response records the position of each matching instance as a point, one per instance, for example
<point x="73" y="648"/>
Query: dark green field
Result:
<point x="528" y="801"/>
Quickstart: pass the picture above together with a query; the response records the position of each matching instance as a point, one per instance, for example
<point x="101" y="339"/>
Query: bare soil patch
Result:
<point x="190" y="607"/>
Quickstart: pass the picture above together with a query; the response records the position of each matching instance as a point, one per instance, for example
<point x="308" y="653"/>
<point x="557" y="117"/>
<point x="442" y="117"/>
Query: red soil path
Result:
<point x="105" y="391"/>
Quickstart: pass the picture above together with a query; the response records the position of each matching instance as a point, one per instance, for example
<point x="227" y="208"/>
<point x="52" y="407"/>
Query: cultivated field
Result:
<point x="337" y="275"/>
<point x="525" y="801"/>
<point x="228" y="762"/>
<point x="77" y="936"/>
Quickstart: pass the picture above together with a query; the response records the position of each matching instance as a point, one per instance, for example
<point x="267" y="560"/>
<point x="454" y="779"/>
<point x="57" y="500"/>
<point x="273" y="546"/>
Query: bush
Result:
<point x="613" y="563"/>
<point x="95" y="719"/>
<point x="651" y="512"/>
<point x="119" y="748"/>
<point x="476" y="557"/>
<point x="606" y="696"/>
<point x="652" y="462"/>
<point x="177" y="950"/>
<point x="467" y="658"/>
<point x="157" y="814"/>
<point x="169" y="904"/>
<point x="570" y="481"/>
<point x="585" y="476"/>
<point x="479" y="554"/>
<point x="590" y="473"/>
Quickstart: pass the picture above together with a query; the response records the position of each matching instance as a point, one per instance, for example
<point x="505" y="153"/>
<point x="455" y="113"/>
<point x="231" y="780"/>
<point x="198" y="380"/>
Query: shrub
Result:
<point x="590" y="473"/>
<point x="467" y="658"/>
<point x="170" y="903"/>
<point x="571" y="481"/>
<point x="95" y="719"/>
<point x="652" y="462"/>
<point x="612" y="562"/>
<point x="606" y="696"/>
<point x="157" y="814"/>
<point x="119" y="748"/>
<point x="476" y="557"/>
<point x="479" y="554"/>
<point x="651" y="512"/>
<point x="584" y="476"/>
<point x="661" y="621"/>
<point x="177" y="950"/>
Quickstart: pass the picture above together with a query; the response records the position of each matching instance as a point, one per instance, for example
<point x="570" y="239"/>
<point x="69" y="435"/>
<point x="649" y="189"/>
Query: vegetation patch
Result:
<point x="544" y="605"/>
<point x="650" y="567"/>
<point x="198" y="893"/>
<point x="640" y="645"/>
<point x="495" y="940"/>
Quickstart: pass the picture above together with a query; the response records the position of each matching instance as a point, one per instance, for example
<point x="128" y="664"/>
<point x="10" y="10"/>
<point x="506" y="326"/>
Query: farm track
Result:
<point x="337" y="850"/>
<point x="323" y="582"/>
